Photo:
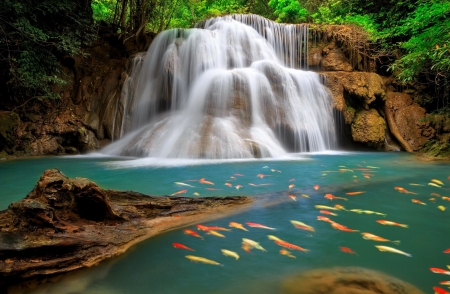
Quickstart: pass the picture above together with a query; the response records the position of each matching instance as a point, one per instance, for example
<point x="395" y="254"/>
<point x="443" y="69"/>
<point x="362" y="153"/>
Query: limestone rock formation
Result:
<point x="65" y="224"/>
<point x="406" y="121"/>
<point x="369" y="127"/>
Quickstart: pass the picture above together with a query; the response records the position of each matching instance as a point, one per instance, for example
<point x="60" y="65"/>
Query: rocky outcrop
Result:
<point x="65" y="224"/>
<point x="406" y="121"/>
<point x="370" y="128"/>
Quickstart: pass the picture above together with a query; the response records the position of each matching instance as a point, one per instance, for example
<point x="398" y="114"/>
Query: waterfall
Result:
<point x="229" y="88"/>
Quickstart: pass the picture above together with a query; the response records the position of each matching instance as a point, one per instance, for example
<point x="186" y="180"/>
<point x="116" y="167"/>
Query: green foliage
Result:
<point x="289" y="11"/>
<point x="103" y="10"/>
<point x="34" y="34"/>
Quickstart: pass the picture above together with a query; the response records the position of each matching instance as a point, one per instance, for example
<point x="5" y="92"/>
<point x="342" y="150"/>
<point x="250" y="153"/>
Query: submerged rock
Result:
<point x="345" y="280"/>
<point x="65" y="224"/>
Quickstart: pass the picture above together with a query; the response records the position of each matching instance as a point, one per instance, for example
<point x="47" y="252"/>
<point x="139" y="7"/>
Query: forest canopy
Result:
<point x="35" y="35"/>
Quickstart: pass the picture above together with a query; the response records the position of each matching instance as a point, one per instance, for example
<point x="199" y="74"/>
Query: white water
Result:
<point x="228" y="90"/>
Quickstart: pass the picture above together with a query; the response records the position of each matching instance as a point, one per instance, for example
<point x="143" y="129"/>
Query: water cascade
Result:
<point x="230" y="88"/>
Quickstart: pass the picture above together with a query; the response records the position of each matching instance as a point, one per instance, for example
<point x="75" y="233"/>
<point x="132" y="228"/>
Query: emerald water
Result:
<point x="155" y="266"/>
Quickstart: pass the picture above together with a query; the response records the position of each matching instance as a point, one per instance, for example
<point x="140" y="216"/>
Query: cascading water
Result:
<point x="227" y="90"/>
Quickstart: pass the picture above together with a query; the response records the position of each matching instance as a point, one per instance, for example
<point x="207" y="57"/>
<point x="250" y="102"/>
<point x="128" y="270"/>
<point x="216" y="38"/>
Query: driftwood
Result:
<point x="66" y="224"/>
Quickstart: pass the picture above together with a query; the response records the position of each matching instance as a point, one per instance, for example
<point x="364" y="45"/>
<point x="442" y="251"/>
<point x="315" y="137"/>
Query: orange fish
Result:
<point x="238" y="187"/>
<point x="291" y="186"/>
<point x="324" y="218"/>
<point x="181" y="246"/>
<point x="440" y="290"/>
<point x="435" y="194"/>
<point x="261" y="176"/>
<point x="418" y="201"/>
<point x="247" y="248"/>
<point x="369" y="236"/>
<point x="290" y="246"/>
<point x="203" y="181"/>
<point x="447" y="250"/>
<point x="293" y="197"/>
<point x="338" y="206"/>
<point x="445" y="198"/>
<point x="255" y="225"/>
<point x="355" y="193"/>
<point x="331" y="197"/>
<point x="327" y="212"/>
<point x="316" y="187"/>
<point x="403" y="190"/>
<point x="287" y="253"/>
<point x="447" y="283"/>
<point x="192" y="233"/>
<point x="237" y="226"/>
<point x="389" y="223"/>
<point x="179" y="192"/>
<point x="229" y="185"/>
<point x="211" y="228"/>
<point x="340" y="227"/>
<point x="437" y="270"/>
<point x="347" y="250"/>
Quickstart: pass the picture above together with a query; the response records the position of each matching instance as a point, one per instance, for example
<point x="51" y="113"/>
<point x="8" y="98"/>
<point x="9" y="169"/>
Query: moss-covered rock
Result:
<point x="369" y="128"/>
<point x="9" y="123"/>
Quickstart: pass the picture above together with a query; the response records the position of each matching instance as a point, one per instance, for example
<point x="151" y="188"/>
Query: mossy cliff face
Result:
<point x="369" y="127"/>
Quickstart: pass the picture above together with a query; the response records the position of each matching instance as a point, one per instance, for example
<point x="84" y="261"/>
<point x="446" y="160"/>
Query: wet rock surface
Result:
<point x="65" y="224"/>
<point x="345" y="280"/>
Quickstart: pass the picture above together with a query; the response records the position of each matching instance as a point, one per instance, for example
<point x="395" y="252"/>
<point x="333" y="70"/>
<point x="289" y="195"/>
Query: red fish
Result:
<point x="355" y="193"/>
<point x="192" y="233"/>
<point x="290" y="246"/>
<point x="324" y="218"/>
<point x="316" y="187"/>
<point x="261" y="176"/>
<point x="238" y="187"/>
<point x="340" y="227"/>
<point x="203" y="181"/>
<point x="229" y="185"/>
<point x="447" y="250"/>
<point x="437" y="270"/>
<point x="255" y="225"/>
<point x="347" y="250"/>
<point x="211" y="228"/>
<point x="179" y="192"/>
<point x="293" y="197"/>
<point x="418" y="201"/>
<point x="181" y="246"/>
<point x="440" y="290"/>
<point x="291" y="186"/>
<point x="327" y="212"/>
<point x="332" y="197"/>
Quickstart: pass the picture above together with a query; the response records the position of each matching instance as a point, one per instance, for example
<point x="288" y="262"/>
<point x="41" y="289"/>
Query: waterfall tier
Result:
<point x="230" y="89"/>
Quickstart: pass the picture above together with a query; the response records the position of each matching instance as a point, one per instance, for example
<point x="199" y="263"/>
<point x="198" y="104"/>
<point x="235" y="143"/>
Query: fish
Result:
<point x="347" y="250"/>
<point x="340" y="227"/>
<point x="372" y="166"/>
<point x="291" y="186"/>
<point x="202" y="260"/>
<point x="327" y="212"/>
<point x="437" y="182"/>
<point x="181" y="246"/>
<point x="203" y="181"/>
<point x="230" y="253"/>
<point x="183" y="184"/>
<point x="355" y="193"/>
<point x="255" y="225"/>
<point x="275" y="170"/>
<point x="233" y="178"/>
<point x="290" y="245"/>
<point x="447" y="250"/>
<point x="253" y="244"/>
<point x="196" y="194"/>
<point x="441" y="207"/>
<point x="343" y="170"/>
<point x="391" y="223"/>
<point x="392" y="250"/>
<point x="447" y="283"/>
<point x="246" y="247"/>
<point x="302" y="226"/>
<point x="316" y="187"/>
<point x="260" y="175"/>
<point x="214" y="233"/>
<point x="331" y="197"/>
<point x="434" y="185"/>
<point x="340" y="207"/>
<point x="179" y="192"/>
<point x="440" y="290"/>
<point x="418" y="201"/>
<point x="325" y="207"/>
<point x="287" y="253"/>
<point x="273" y="238"/>
<point x="369" y="236"/>
<point x="237" y="226"/>
<point x="435" y="194"/>
<point x="415" y="184"/>
<point x="305" y="196"/>
<point x="238" y="175"/>
<point x="324" y="218"/>
<point x="437" y="270"/>
<point x="212" y="189"/>
<point x="211" y="228"/>
<point x="357" y="210"/>
<point x="293" y="197"/>
<point x="291" y="180"/>
<point x="238" y="187"/>
<point x="228" y="184"/>
<point x="192" y="233"/>
<point x="251" y="184"/>
<point x="445" y="198"/>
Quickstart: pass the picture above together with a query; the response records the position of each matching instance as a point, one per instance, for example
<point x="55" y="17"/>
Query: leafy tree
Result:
<point x="289" y="11"/>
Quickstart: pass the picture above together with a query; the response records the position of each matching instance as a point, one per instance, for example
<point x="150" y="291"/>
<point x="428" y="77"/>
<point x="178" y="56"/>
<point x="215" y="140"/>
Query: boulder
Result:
<point x="369" y="127"/>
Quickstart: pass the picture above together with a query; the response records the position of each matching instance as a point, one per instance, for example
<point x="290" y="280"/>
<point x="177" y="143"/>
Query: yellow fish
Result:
<point x="214" y="233"/>
<point x="252" y="244"/>
<point x="415" y="184"/>
<point x="441" y="207"/>
<point x="437" y="182"/>
<point x="196" y="194"/>
<point x="273" y="238"/>
<point x="287" y="253"/>
<point x="202" y="260"/>
<point x="434" y="185"/>
<point x="230" y="253"/>
<point x="392" y="250"/>
<point x="303" y="226"/>
<point x="325" y="207"/>
<point x="237" y="226"/>
<point x="305" y="196"/>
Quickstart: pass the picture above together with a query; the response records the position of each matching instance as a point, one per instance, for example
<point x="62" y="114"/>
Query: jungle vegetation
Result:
<point x="414" y="35"/>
